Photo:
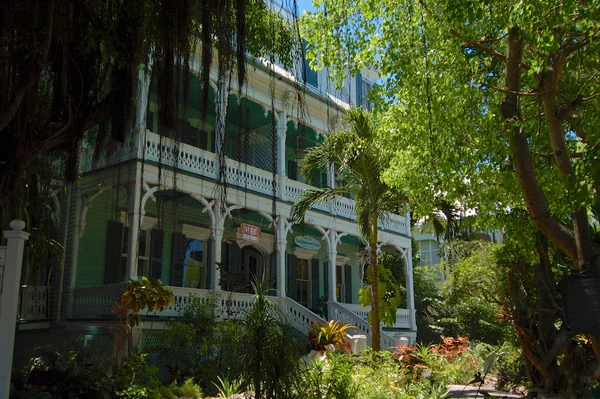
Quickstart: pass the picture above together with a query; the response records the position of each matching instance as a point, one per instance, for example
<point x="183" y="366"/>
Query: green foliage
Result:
<point x="229" y="388"/>
<point x="474" y="296"/>
<point x="330" y="333"/>
<point x="195" y="345"/>
<point x="332" y="378"/>
<point x="145" y="293"/>
<point x="91" y="373"/>
<point x="189" y="389"/>
<point x="268" y="351"/>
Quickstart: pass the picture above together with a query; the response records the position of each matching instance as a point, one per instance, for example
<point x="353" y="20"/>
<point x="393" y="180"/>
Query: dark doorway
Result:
<point x="252" y="267"/>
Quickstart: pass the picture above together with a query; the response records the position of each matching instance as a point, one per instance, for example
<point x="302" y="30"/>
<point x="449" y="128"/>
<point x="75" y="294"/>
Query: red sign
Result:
<point x="251" y="233"/>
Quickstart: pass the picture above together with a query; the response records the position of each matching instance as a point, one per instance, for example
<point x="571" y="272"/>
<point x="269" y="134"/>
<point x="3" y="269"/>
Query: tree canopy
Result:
<point x="490" y="107"/>
<point x="470" y="132"/>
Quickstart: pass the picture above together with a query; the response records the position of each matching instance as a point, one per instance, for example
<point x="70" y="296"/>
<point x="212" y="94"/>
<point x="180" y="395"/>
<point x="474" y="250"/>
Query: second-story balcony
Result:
<point x="154" y="149"/>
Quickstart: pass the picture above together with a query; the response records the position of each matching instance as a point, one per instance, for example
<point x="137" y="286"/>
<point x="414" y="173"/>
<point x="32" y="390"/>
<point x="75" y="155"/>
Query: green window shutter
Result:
<point x="314" y="282"/>
<point x="359" y="93"/>
<point x="210" y="261"/>
<point x="177" y="259"/>
<point x="292" y="281"/>
<point x="326" y="281"/>
<point x="234" y="258"/>
<point x="156" y="253"/>
<point x="292" y="170"/>
<point x="114" y="241"/>
<point x="348" y="283"/>
<point x="273" y="274"/>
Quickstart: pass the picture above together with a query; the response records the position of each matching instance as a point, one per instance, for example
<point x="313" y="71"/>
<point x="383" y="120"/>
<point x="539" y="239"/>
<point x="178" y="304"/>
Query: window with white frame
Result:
<point x="429" y="253"/>
<point x="303" y="267"/>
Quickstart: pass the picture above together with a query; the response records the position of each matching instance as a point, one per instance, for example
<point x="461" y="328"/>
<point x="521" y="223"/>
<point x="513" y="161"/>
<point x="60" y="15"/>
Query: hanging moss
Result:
<point x="71" y="65"/>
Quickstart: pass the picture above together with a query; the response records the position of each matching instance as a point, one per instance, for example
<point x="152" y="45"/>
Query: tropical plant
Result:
<point x="227" y="388"/>
<point x="359" y="160"/>
<point x="331" y="378"/>
<point x="268" y="349"/>
<point x="145" y="293"/>
<point x="330" y="333"/>
<point x="189" y="389"/>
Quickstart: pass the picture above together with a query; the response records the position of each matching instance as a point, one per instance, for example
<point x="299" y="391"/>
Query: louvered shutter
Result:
<point x="314" y="282"/>
<point x="156" y="253"/>
<point x="273" y="274"/>
<point x="210" y="261"/>
<point x="326" y="281"/>
<point x="234" y="258"/>
<point x="114" y="241"/>
<point x="177" y="259"/>
<point x="292" y="281"/>
<point x="348" y="283"/>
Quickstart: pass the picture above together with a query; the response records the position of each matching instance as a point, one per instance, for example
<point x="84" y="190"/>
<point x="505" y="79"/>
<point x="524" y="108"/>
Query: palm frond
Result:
<point x="310" y="198"/>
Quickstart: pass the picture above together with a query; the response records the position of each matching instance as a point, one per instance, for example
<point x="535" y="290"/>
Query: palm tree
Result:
<point x="355" y="152"/>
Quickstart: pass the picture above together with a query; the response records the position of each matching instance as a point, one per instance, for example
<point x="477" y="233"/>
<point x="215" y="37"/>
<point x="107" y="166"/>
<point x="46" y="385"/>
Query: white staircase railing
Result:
<point x="297" y="315"/>
<point x="338" y="312"/>
<point x="403" y="319"/>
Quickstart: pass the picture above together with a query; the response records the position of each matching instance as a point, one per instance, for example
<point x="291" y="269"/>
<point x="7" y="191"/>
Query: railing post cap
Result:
<point x="17" y="225"/>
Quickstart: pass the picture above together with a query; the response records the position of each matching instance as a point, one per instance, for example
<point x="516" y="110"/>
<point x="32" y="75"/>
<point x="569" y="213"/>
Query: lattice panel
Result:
<point x="255" y="147"/>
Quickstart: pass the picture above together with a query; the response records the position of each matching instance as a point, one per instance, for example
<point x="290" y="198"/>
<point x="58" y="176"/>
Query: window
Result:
<point x="366" y="86"/>
<point x="362" y="92"/>
<point x="339" y="279"/>
<point x="143" y="268"/>
<point x="302" y="282"/>
<point x="193" y="263"/>
<point x="310" y="77"/>
<point x="429" y="253"/>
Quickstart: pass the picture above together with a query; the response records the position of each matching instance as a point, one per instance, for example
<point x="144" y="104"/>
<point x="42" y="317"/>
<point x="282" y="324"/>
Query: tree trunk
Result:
<point x="375" y="332"/>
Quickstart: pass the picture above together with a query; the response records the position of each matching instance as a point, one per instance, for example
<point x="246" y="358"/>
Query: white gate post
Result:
<point x="9" y="299"/>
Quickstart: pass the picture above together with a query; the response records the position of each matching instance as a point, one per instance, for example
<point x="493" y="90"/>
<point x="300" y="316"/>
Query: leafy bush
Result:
<point x="328" y="379"/>
<point x="330" y="333"/>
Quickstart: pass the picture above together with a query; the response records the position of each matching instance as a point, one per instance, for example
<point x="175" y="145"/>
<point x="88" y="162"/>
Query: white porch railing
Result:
<point x="100" y="301"/>
<point x="34" y="302"/>
<point x="150" y="147"/>
<point x="338" y="312"/>
<point x="402" y="315"/>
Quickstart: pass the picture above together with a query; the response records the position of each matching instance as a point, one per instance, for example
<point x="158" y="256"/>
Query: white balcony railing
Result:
<point x="153" y="148"/>
<point x="34" y="303"/>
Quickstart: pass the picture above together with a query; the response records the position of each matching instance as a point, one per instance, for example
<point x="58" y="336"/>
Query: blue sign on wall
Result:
<point x="307" y="242"/>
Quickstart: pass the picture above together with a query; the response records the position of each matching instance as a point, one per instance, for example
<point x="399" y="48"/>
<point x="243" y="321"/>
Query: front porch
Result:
<point x="97" y="303"/>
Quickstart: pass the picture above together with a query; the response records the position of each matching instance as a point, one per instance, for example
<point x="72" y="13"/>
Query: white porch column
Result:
<point x="410" y="290"/>
<point x="332" y="261"/>
<point x="142" y="101"/>
<point x="281" y="248"/>
<point x="133" y="221"/>
<point x="11" y="261"/>
<point x="221" y="100"/>
<point x="217" y="232"/>
<point x="281" y="136"/>
<point x="331" y="175"/>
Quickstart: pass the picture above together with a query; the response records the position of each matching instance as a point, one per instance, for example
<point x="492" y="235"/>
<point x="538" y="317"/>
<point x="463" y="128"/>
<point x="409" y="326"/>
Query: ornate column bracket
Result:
<point x="148" y="194"/>
<point x="86" y="201"/>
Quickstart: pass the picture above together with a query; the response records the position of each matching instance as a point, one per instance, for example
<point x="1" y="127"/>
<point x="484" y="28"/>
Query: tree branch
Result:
<point x="483" y="48"/>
